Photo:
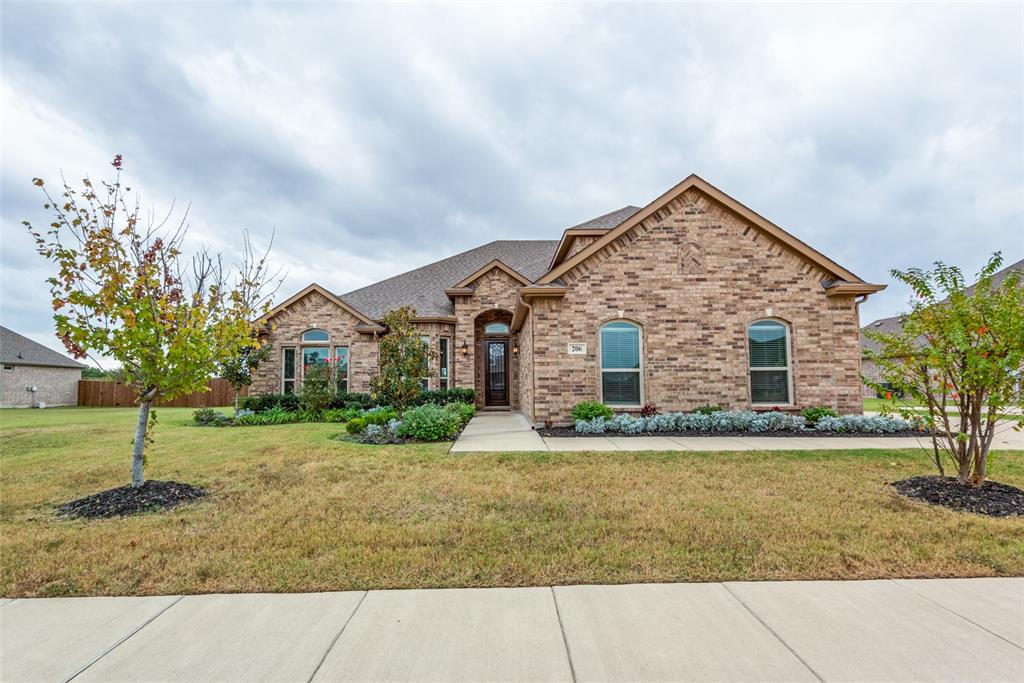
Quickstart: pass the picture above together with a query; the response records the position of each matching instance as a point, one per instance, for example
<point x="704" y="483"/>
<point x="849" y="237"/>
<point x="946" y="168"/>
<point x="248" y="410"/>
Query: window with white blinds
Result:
<point x="620" y="364"/>
<point x="768" y="344"/>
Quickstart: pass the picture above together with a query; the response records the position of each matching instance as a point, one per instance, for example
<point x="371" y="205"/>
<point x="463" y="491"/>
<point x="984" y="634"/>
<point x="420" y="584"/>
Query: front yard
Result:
<point x="293" y="510"/>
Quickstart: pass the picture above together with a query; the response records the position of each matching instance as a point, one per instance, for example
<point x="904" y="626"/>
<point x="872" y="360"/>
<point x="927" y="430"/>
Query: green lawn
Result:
<point x="293" y="510"/>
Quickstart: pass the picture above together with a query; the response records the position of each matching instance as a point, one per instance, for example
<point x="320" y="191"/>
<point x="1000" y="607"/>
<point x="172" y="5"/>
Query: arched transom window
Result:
<point x="496" y="328"/>
<point x="770" y="380"/>
<point x="621" y="377"/>
<point x="315" y="347"/>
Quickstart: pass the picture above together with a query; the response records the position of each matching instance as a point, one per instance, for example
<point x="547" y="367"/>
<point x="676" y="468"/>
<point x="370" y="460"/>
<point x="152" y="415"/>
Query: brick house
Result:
<point x="691" y="300"/>
<point x="34" y="375"/>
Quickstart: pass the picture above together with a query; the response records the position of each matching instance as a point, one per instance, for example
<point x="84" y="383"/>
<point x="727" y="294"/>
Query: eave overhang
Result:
<point x="527" y="294"/>
<point x="843" y="288"/>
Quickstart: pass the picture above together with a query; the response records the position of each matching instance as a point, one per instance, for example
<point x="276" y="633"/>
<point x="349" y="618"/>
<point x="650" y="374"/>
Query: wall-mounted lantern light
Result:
<point x="515" y="349"/>
<point x="465" y="348"/>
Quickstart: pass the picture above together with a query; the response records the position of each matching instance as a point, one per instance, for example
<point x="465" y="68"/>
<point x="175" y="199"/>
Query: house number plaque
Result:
<point x="577" y="349"/>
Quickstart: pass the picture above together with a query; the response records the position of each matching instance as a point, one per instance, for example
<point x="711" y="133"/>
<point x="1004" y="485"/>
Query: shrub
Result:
<point x="860" y="423"/>
<point x="353" y="399"/>
<point x="707" y="410"/>
<point x="261" y="402"/>
<point x="662" y="423"/>
<point x="648" y="410"/>
<point x="444" y="397"/>
<point x="588" y="410"/>
<point x="595" y="426"/>
<point x="355" y="426"/>
<point x="379" y="416"/>
<point x="208" y="417"/>
<point x="334" y="415"/>
<point x="813" y="414"/>
<point x="428" y="423"/>
<point x="403" y="359"/>
<point x="464" y="411"/>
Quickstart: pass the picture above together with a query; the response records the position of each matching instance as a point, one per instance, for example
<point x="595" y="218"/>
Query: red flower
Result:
<point x="888" y="396"/>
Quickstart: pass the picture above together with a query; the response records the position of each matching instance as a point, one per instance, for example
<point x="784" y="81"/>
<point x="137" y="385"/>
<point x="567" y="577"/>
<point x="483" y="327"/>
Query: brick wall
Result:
<point x="493" y="291"/>
<point x="316" y="311"/>
<point x="54" y="386"/>
<point x="694" y="276"/>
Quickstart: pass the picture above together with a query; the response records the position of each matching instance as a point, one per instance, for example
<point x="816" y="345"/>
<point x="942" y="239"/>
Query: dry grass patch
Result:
<point x="292" y="510"/>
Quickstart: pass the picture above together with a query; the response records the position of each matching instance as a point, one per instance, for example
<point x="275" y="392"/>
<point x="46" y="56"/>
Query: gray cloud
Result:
<point x="375" y="139"/>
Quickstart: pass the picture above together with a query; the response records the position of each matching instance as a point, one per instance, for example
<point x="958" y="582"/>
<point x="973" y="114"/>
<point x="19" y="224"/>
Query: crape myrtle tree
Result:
<point x="124" y="290"/>
<point x="960" y="353"/>
<point x="404" y="361"/>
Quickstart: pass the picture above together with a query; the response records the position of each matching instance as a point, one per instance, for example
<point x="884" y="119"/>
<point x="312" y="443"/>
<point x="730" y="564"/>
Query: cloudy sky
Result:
<point x="375" y="139"/>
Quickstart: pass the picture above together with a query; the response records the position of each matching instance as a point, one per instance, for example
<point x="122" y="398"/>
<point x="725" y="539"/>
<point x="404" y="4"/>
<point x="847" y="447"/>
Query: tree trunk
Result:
<point x="140" y="443"/>
<point x="237" y="392"/>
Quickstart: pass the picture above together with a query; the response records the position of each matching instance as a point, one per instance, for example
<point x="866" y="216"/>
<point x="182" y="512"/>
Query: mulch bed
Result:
<point x="991" y="498"/>
<point x="571" y="432"/>
<point x="125" y="500"/>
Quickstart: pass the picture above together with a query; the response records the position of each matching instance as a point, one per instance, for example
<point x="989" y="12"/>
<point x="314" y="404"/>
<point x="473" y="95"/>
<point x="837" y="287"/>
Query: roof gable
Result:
<point x="695" y="182"/>
<point x="327" y="295"/>
<point x="496" y="263"/>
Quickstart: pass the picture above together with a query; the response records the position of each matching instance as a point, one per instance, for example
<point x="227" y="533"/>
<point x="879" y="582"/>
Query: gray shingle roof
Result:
<point x="18" y="350"/>
<point x="608" y="221"/>
<point x="893" y="324"/>
<point x="423" y="288"/>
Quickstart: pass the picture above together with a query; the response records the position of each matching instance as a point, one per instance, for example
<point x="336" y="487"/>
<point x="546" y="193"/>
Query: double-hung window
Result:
<point x="288" y="370"/>
<point x="621" y="381"/>
<point x="341" y="368"/>
<point x="770" y="380"/>
<point x="425" y="382"/>
<point x="443" y="362"/>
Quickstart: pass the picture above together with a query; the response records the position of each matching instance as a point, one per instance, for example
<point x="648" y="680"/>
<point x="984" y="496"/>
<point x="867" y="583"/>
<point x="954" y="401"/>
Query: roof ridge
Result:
<point x="595" y="219"/>
<point x="434" y="263"/>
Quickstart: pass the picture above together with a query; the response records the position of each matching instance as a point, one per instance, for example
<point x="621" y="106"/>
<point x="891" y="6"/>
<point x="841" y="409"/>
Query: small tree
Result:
<point x="959" y="352"/>
<point x="124" y="291"/>
<point x="318" y="384"/>
<point x="404" y="361"/>
<point x="238" y="369"/>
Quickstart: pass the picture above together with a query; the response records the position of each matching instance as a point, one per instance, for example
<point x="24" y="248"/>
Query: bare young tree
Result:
<point x="125" y="290"/>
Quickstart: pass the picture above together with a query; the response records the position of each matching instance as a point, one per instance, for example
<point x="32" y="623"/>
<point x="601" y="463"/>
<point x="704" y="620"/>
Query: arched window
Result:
<point x="770" y="381"/>
<point x="621" y="380"/>
<point x="314" y="347"/>
<point x="496" y="328"/>
<point x="315" y="336"/>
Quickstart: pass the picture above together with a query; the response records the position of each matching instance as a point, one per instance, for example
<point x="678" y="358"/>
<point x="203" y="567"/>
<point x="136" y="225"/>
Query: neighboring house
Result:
<point x="892" y="325"/>
<point x="33" y="374"/>
<point x="691" y="300"/>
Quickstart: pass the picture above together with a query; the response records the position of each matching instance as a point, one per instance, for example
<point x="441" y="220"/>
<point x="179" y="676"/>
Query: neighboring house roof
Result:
<point x="16" y="349"/>
<point x="893" y="324"/>
<point x="424" y="288"/>
<point x="884" y="325"/>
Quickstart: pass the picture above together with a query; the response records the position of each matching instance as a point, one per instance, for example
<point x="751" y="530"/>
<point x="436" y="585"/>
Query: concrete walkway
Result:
<point x="904" y="630"/>
<point x="512" y="432"/>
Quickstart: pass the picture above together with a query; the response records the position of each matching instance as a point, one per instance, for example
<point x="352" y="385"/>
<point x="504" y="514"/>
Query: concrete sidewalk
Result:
<point x="903" y="630"/>
<point x="511" y="432"/>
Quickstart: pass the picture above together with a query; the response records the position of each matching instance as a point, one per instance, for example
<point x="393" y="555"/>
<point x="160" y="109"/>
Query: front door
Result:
<point x="496" y="373"/>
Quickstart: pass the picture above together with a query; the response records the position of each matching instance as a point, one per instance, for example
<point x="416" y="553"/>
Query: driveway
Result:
<point x="901" y="630"/>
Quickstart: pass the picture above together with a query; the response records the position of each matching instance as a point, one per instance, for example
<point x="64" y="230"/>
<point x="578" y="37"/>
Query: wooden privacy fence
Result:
<point x="97" y="393"/>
